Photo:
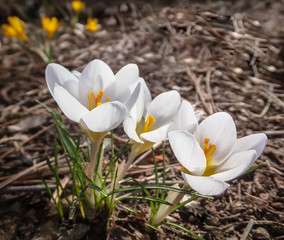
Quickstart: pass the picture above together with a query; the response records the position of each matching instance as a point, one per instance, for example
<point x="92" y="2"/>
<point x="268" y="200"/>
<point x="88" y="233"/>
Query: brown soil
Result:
<point x="221" y="56"/>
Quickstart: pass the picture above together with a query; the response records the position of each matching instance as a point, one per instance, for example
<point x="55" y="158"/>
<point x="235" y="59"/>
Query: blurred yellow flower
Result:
<point x="92" y="24"/>
<point x="77" y="6"/>
<point x="15" y="28"/>
<point x="50" y="25"/>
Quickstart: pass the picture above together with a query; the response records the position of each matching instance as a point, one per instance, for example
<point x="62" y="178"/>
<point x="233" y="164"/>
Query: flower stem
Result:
<point x="122" y="174"/>
<point x="91" y="169"/>
<point x="164" y="210"/>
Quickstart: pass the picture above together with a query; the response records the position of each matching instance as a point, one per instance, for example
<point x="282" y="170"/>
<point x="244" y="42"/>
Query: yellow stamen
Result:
<point x="95" y="101"/>
<point x="91" y="101"/>
<point x="149" y="122"/>
<point x="99" y="97"/>
<point x="209" y="151"/>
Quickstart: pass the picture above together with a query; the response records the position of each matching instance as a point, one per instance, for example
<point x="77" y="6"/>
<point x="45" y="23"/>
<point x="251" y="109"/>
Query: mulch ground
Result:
<point x="221" y="56"/>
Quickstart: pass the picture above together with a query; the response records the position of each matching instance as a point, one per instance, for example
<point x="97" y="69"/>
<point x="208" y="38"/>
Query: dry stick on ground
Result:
<point x="36" y="167"/>
<point x="30" y="138"/>
<point x="208" y="75"/>
<point x="202" y="95"/>
<point x="20" y="174"/>
<point x="29" y="188"/>
<point x="247" y="230"/>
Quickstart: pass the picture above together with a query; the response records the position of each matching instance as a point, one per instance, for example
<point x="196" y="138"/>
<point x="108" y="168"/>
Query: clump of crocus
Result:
<point x="50" y="25"/>
<point x="92" y="24"/>
<point x="15" y="28"/>
<point x="77" y="6"/>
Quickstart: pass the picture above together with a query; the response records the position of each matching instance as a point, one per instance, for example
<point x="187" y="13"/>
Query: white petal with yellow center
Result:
<point x="188" y="151"/>
<point x="157" y="135"/>
<point x="105" y="117"/>
<point x="164" y="107"/>
<point x="221" y="130"/>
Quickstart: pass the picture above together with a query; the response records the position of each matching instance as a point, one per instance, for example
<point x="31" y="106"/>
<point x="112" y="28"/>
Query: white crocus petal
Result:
<point x="125" y="77"/>
<point x="147" y="97"/>
<point x="198" y="116"/>
<point x="188" y="151"/>
<point x="131" y="100"/>
<point x="76" y="74"/>
<point x="221" y="130"/>
<point x="235" y="165"/>
<point x="135" y="115"/>
<point x="72" y="86"/>
<point x="105" y="117"/>
<point x="70" y="106"/>
<point x="205" y="185"/>
<point x="255" y="142"/>
<point x="56" y="73"/>
<point x="129" y="126"/>
<point x="97" y="75"/>
<point x="185" y="118"/>
<point x="143" y="100"/>
<point x="157" y="135"/>
<point x="163" y="108"/>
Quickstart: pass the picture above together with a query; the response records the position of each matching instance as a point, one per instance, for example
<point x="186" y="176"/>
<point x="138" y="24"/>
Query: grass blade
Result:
<point x="183" y="229"/>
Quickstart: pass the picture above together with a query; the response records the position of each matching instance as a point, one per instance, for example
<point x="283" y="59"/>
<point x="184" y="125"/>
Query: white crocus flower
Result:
<point x="96" y="98"/>
<point x="214" y="155"/>
<point x="149" y="122"/>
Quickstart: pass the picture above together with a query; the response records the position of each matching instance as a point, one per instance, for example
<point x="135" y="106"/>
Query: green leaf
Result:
<point x="91" y="185"/>
<point x="154" y="228"/>
<point x="144" y="198"/>
<point x="154" y="186"/>
<point x="185" y="202"/>
<point x="130" y="210"/>
<point x="254" y="168"/>
<point x="249" y="171"/>
<point x="183" y="229"/>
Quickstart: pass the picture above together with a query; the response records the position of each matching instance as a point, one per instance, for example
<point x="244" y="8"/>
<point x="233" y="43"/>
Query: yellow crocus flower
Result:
<point x="50" y="25"/>
<point x="77" y="6"/>
<point x="9" y="31"/>
<point x="15" y="28"/>
<point x="92" y="24"/>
